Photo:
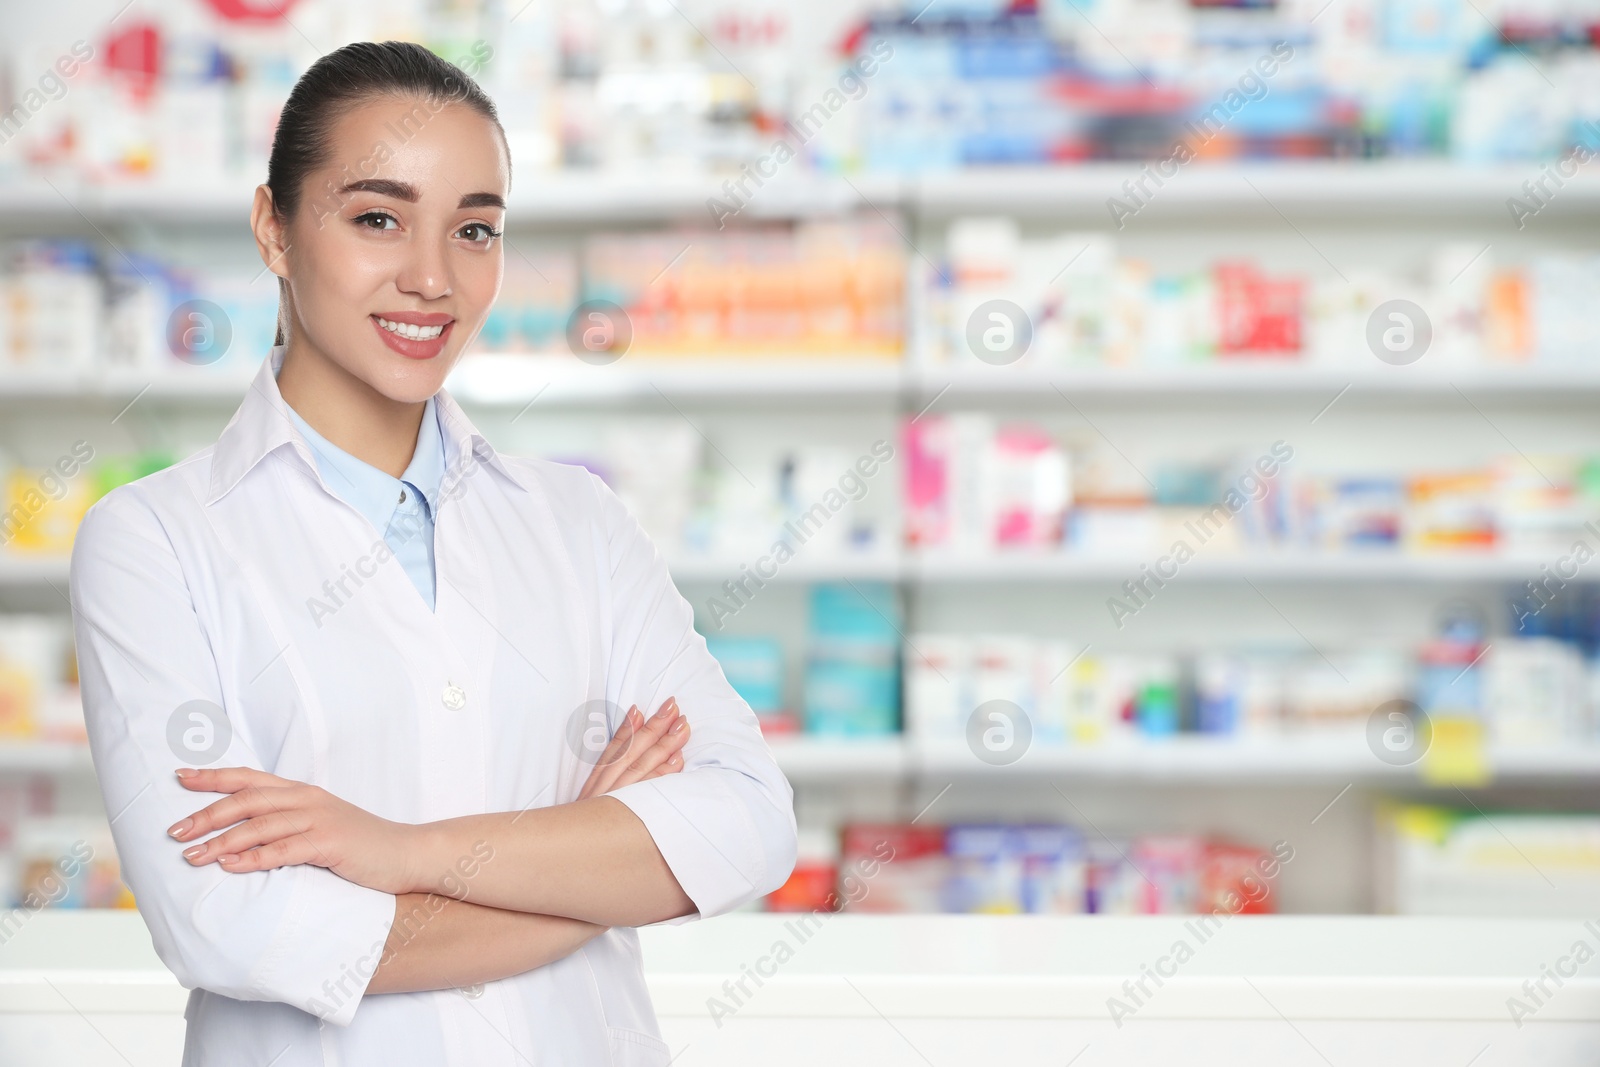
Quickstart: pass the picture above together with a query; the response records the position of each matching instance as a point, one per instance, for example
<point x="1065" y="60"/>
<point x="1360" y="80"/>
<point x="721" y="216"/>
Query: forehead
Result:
<point x="444" y="149"/>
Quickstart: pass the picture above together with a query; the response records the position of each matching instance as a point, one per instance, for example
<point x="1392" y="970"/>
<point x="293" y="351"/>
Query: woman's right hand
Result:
<point x="640" y="749"/>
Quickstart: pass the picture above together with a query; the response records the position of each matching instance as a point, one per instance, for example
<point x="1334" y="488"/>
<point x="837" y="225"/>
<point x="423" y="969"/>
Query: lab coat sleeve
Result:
<point x="298" y="935"/>
<point x="724" y="823"/>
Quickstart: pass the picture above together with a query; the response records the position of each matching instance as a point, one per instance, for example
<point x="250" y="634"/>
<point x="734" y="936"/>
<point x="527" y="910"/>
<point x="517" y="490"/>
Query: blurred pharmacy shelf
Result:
<point x="551" y="197"/>
<point x="512" y="380"/>
<point x="928" y="568"/>
<point x="44" y="756"/>
<point x="1310" y="761"/>
<point x="1263" y="564"/>
<point x="496" y="380"/>
<point x="1433" y="187"/>
<point x="1215" y="760"/>
<point x="1225" y="760"/>
<point x="1370" y="189"/>
<point x="1256" y="376"/>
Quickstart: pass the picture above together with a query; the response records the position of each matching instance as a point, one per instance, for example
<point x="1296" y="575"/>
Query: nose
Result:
<point x="425" y="271"/>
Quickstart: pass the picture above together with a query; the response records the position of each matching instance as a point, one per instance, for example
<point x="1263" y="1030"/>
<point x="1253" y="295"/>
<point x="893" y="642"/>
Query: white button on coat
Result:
<point x="454" y="698"/>
<point x="237" y="577"/>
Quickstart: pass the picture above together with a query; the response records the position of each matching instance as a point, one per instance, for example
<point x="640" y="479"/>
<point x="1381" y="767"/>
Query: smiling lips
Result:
<point x="414" y="334"/>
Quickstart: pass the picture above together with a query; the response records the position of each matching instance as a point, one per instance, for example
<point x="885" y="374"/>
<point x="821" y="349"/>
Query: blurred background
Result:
<point x="1116" y="446"/>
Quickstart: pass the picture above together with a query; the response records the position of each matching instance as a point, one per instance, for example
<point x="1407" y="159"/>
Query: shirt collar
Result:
<point x="264" y="423"/>
<point x="373" y="492"/>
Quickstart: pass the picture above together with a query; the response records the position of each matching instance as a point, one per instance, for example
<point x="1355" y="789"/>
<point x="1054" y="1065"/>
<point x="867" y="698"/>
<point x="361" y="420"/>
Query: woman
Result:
<point x="369" y="672"/>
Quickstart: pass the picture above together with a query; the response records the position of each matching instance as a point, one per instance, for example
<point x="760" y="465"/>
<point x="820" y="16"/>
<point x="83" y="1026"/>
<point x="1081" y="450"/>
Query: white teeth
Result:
<point x="415" y="333"/>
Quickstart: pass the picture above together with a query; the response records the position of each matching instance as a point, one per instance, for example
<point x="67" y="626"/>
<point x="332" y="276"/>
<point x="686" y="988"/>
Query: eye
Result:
<point x="368" y="218"/>
<point x="478" y="233"/>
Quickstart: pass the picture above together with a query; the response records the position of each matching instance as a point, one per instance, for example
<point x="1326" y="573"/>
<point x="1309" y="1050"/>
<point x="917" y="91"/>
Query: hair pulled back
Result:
<point x="344" y="79"/>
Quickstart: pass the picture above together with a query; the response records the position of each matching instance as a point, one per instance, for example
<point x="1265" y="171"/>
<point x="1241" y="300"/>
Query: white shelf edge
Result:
<point x="511" y="380"/>
<point x="1375" y="187"/>
<point x="23" y="571"/>
<point x="1185" y="758"/>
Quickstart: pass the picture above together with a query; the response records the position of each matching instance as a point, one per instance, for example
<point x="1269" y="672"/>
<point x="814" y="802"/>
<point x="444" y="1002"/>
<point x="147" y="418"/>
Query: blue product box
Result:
<point x="754" y="667"/>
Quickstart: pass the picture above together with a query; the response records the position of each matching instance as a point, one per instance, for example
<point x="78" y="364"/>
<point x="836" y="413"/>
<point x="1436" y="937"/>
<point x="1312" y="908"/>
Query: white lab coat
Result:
<point x="206" y="582"/>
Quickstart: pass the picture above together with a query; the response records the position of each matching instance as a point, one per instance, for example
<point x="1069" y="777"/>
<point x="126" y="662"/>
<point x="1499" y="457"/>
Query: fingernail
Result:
<point x="191" y="853"/>
<point x="672" y="702"/>
<point x="180" y="827"/>
<point x="677" y="727"/>
<point x="226" y="859"/>
<point x="184" y="772"/>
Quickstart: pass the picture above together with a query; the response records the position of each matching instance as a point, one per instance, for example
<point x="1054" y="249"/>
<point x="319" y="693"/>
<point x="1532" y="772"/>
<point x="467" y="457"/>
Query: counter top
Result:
<point x="968" y="966"/>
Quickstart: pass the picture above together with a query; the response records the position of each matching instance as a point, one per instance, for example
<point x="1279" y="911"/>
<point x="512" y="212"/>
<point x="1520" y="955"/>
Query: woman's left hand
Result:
<point x="281" y="822"/>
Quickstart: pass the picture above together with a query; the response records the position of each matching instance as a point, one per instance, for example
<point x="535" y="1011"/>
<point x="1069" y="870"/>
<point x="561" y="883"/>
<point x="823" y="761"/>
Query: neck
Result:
<point x="351" y="414"/>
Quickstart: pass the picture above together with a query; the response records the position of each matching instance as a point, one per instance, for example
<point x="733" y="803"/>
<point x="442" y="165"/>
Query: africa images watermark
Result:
<point x="803" y="929"/>
<point x="353" y="980"/>
<point x="1253" y="888"/>
<point x="1536" y="992"/>
<point x="52" y="486"/>
<point x="336" y="591"/>
<point x="52" y="85"/>
<point x="1538" y="190"/>
<point x="852" y="86"/>
<point x="852" y="486"/>
<point x="50" y="888"/>
<point x="1540" y="594"/>
<point x="1250" y="87"/>
<point x="1252" y="486"/>
<point x="334" y="192"/>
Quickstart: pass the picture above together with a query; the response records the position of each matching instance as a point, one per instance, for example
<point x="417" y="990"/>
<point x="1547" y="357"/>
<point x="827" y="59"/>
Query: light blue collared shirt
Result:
<point x="401" y="509"/>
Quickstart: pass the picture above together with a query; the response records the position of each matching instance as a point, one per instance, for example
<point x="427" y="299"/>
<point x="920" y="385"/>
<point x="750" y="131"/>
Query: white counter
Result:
<point x="87" y="989"/>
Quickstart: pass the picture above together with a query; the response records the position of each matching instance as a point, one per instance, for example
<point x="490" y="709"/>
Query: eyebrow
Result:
<point x="406" y="191"/>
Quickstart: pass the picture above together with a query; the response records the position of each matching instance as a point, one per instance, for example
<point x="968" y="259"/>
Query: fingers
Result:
<point x="617" y="748"/>
<point x="627" y="747"/>
<point x="225" y="779"/>
<point x="629" y="742"/>
<point x="259" y="831"/>
<point x="672" y="763"/>
<point x="285" y="852"/>
<point x="247" y="803"/>
<point x="664" y="755"/>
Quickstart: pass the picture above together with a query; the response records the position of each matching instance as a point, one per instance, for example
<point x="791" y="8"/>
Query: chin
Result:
<point x="413" y="384"/>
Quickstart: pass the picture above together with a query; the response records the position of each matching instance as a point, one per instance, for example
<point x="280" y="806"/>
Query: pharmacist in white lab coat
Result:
<point x="395" y="663"/>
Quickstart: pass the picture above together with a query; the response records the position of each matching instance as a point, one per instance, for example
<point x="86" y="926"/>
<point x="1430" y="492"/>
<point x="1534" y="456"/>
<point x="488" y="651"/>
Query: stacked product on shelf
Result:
<point x="978" y="485"/>
<point x="185" y="94"/>
<point x="1178" y="81"/>
<point x="1087" y="306"/>
<point x="850" y="685"/>
<point x="39" y="680"/>
<point x="812" y="497"/>
<point x="1474" y="861"/>
<point x="42" y="504"/>
<point x="51" y="860"/>
<point x="1513" y="691"/>
<point x="852" y="668"/>
<point x="73" y="308"/>
<point x="830" y="290"/>
<point x="1038" y="868"/>
<point x="824" y="289"/>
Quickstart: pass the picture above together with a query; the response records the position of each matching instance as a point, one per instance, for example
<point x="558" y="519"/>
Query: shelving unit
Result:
<point x="1306" y="761"/>
<point x="931" y="568"/>
<point x="1312" y="214"/>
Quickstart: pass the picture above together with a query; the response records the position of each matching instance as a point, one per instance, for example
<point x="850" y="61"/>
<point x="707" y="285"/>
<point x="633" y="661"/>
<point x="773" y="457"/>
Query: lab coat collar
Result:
<point x="261" y="425"/>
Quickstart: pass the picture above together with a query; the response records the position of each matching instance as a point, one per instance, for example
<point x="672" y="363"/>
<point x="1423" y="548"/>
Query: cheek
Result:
<point x="338" y="280"/>
<point x="480" y="285"/>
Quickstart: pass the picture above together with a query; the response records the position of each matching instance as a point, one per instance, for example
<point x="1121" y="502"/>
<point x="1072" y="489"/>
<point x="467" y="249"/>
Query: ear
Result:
<point x="270" y="233"/>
